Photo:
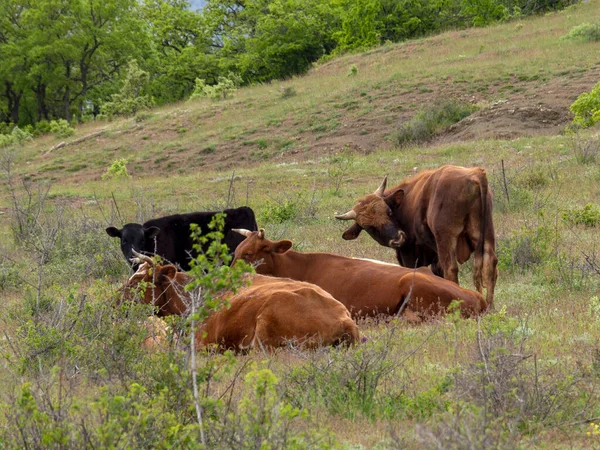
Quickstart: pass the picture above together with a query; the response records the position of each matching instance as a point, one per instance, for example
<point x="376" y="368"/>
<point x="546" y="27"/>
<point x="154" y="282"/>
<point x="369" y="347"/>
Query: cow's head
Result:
<point x="256" y="249"/>
<point x="374" y="213"/>
<point x="134" y="236"/>
<point x="161" y="286"/>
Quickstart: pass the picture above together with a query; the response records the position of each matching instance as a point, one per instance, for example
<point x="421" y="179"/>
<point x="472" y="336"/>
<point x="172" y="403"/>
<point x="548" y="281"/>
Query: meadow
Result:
<point x="526" y="375"/>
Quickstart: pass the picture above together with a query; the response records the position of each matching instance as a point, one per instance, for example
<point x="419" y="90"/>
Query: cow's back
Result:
<point x="272" y="311"/>
<point x="175" y="244"/>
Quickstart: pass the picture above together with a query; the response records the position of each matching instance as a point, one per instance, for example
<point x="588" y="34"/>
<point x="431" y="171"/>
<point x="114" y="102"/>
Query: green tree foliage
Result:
<point x="130" y="99"/>
<point x="288" y="36"/>
<point x="587" y="108"/>
<point x="182" y="50"/>
<point x="64" y="59"/>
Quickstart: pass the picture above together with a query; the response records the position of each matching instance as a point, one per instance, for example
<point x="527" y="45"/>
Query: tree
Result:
<point x="181" y="49"/>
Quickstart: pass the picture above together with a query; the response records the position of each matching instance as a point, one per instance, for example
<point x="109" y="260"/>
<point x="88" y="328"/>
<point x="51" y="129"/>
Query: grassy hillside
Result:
<point x="526" y="376"/>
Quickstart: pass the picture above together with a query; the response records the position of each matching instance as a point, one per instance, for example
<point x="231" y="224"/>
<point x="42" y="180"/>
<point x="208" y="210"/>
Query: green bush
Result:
<point x="525" y="249"/>
<point x="118" y="169"/>
<point x="288" y="92"/>
<point x="130" y="99"/>
<point x="589" y="32"/>
<point x="589" y="216"/>
<point x="279" y="212"/>
<point x="42" y="127"/>
<point x="432" y="120"/>
<point x="224" y="88"/>
<point x="16" y="136"/>
<point x="362" y="381"/>
<point x="586" y="150"/>
<point x="587" y="108"/>
<point x="264" y="421"/>
<point x="61" y="128"/>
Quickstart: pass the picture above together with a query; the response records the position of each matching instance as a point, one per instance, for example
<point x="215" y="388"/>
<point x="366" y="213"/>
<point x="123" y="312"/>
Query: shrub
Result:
<point x="17" y="136"/>
<point x="432" y="120"/>
<point x="534" y="179"/>
<point x="586" y="150"/>
<point x="42" y="127"/>
<point x="341" y="165"/>
<point x="588" y="32"/>
<point x="142" y="116"/>
<point x="118" y="169"/>
<point x="288" y="92"/>
<point x="355" y="382"/>
<point x="130" y="99"/>
<point x="587" y="108"/>
<point x="279" y="212"/>
<point x="353" y="71"/>
<point x="589" y="216"/>
<point x="264" y="421"/>
<point x="6" y="128"/>
<point x="61" y="128"/>
<point x="525" y="249"/>
<point x="224" y="88"/>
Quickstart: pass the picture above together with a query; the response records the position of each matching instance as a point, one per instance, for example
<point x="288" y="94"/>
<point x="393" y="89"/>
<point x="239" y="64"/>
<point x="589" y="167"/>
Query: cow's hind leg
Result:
<point x="475" y="236"/>
<point x="446" y="244"/>
<point x="490" y="270"/>
<point x="264" y="338"/>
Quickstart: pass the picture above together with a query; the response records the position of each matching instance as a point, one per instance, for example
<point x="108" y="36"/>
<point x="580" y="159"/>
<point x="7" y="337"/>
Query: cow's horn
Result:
<point x="381" y="189"/>
<point x="261" y="233"/>
<point x="348" y="216"/>
<point x="242" y="231"/>
<point x="142" y="258"/>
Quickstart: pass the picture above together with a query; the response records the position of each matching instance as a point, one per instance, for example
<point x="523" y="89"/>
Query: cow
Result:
<point x="268" y="313"/>
<point x="170" y="236"/>
<point x="365" y="287"/>
<point x="439" y="217"/>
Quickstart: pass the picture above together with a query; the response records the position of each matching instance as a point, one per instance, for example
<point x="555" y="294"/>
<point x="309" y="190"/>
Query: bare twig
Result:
<point x="112" y="194"/>
<point x="230" y="191"/>
<point x="505" y="184"/>
<point x="199" y="408"/>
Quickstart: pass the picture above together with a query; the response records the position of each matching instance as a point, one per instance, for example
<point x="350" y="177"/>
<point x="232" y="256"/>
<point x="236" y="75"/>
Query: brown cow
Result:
<point x="268" y="313"/>
<point x="366" y="287"/>
<point x="438" y="217"/>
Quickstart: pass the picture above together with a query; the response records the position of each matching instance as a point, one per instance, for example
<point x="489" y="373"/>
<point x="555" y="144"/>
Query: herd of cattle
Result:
<point x="437" y="218"/>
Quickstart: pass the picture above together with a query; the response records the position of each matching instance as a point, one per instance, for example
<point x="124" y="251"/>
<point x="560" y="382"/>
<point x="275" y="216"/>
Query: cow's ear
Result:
<point x="395" y="198"/>
<point x="352" y="232"/>
<point x="151" y="232"/>
<point x="168" y="271"/>
<point x="282" y="246"/>
<point x="113" y="232"/>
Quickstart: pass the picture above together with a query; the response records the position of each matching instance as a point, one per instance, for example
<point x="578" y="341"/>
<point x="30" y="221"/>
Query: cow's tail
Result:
<point x="488" y="255"/>
<point x="483" y="189"/>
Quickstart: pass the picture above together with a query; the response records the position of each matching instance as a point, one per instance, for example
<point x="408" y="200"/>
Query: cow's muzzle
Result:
<point x="399" y="241"/>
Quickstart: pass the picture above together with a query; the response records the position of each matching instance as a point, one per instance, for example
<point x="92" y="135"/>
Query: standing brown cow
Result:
<point x="438" y="217"/>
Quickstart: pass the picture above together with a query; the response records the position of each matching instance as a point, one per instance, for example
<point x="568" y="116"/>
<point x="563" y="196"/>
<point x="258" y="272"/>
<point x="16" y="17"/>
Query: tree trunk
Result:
<point x="14" y="102"/>
<point x="40" y="95"/>
<point x="67" y="94"/>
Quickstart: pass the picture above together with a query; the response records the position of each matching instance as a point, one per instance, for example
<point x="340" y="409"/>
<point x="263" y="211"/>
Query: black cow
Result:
<point x="170" y="236"/>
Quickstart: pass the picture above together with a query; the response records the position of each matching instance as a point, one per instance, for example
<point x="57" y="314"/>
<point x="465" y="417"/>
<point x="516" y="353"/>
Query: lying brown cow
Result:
<point x="268" y="313"/>
<point x="438" y="217"/>
<point x="366" y="287"/>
